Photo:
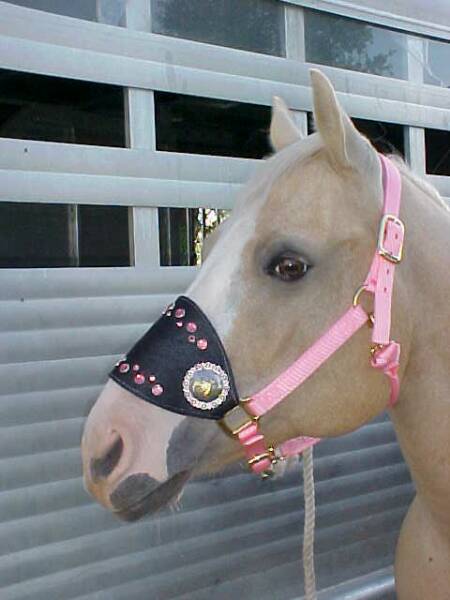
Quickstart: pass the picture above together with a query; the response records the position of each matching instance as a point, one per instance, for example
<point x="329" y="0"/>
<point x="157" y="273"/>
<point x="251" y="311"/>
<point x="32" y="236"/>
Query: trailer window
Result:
<point x="35" y="235"/>
<point x="54" y="109"/>
<point x="182" y="232"/>
<point x="198" y="125"/>
<point x="436" y="62"/>
<point x="388" y="138"/>
<point x="110" y="12"/>
<point x="351" y="44"/>
<point x="255" y="25"/>
<point x="437" y="151"/>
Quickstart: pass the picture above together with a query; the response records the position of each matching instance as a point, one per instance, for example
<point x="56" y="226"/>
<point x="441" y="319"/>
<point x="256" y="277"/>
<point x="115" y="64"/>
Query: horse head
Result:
<point x="277" y="274"/>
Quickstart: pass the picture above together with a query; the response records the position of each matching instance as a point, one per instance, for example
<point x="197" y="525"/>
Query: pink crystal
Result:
<point x="139" y="379"/>
<point x="191" y="327"/>
<point x="151" y="378"/>
<point x="179" y="313"/>
<point x="136" y="368"/>
<point x="179" y="323"/>
<point x="124" y="368"/>
<point x="202" y="344"/>
<point x="157" y="389"/>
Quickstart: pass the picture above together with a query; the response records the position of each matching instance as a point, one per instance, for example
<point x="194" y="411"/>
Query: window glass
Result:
<point x="204" y="126"/>
<point x="182" y="232"/>
<point x="350" y="44"/>
<point x="255" y="25"/>
<point x="62" y="235"/>
<point x="34" y="235"/>
<point x="110" y="12"/>
<point x="388" y="138"/>
<point x="103" y="236"/>
<point x="437" y="152"/>
<point x="39" y="107"/>
<point x="437" y="63"/>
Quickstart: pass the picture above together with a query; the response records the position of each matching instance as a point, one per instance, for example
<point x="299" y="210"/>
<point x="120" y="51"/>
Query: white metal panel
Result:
<point x="54" y="543"/>
<point x="169" y="64"/>
<point x="418" y="16"/>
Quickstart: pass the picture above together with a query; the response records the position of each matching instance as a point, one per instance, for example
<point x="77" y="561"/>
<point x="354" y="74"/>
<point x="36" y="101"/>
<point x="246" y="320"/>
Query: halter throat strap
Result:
<point x="241" y="422"/>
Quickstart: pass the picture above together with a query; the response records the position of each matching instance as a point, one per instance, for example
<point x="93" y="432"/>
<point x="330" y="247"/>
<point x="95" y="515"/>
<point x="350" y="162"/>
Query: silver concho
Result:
<point x="206" y="386"/>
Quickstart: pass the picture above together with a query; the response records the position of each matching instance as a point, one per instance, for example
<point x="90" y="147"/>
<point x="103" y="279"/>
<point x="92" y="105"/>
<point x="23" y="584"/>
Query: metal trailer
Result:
<point x="62" y="328"/>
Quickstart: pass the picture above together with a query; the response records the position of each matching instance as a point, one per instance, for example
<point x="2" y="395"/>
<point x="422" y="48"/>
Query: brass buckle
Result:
<point x="270" y="455"/>
<point x="382" y="250"/>
<point x="237" y="419"/>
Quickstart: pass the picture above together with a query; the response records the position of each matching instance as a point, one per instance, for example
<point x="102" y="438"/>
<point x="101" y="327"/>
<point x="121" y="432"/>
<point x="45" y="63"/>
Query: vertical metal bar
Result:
<point x="415" y="136"/>
<point x="140" y="110"/>
<point x="295" y="50"/>
<point x="415" y="149"/>
<point x="295" y="33"/>
<point x="73" y="234"/>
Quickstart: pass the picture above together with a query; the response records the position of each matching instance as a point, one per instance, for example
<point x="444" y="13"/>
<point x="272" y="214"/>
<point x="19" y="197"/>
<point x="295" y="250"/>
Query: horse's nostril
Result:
<point x="105" y="465"/>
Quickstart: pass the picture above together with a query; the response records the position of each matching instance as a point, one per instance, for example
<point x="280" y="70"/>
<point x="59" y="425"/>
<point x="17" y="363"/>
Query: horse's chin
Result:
<point x="150" y="499"/>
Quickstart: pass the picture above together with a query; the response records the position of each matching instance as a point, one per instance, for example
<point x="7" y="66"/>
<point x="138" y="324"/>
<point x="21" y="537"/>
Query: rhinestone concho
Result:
<point x="189" y="379"/>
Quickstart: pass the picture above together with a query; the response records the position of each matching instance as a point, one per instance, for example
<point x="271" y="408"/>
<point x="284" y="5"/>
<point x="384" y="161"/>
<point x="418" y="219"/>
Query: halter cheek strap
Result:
<point x="242" y="421"/>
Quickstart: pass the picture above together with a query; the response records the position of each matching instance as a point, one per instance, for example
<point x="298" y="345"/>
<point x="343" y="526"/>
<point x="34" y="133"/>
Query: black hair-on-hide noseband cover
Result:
<point x="180" y="365"/>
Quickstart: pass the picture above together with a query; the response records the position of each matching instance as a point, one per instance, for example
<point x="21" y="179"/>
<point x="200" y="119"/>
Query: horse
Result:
<point x="277" y="274"/>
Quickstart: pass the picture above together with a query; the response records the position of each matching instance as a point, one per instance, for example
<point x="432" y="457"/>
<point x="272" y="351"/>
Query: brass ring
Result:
<point x="357" y="295"/>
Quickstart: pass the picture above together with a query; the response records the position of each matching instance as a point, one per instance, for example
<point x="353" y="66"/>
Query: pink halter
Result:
<point x="241" y="422"/>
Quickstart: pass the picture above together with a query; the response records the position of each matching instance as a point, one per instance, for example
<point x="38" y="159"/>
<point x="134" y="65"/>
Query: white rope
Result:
<point x="310" y="521"/>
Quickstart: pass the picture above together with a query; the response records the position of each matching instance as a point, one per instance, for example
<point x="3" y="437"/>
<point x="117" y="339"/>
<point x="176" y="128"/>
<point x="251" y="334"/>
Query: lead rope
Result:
<point x="309" y="525"/>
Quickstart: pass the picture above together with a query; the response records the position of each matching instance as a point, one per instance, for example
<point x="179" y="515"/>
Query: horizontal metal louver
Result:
<point x="233" y="534"/>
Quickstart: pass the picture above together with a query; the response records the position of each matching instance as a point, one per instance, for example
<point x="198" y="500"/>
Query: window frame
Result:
<point x="140" y="176"/>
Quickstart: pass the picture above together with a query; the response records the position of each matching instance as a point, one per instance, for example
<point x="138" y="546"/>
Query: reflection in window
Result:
<point x="437" y="152"/>
<point x="182" y="232"/>
<point x="61" y="235"/>
<point x="39" y="107"/>
<point x="388" y="138"/>
<point x="350" y="44"/>
<point x="110" y="12"/>
<point x="436" y="62"/>
<point x="204" y="126"/>
<point x="255" y="25"/>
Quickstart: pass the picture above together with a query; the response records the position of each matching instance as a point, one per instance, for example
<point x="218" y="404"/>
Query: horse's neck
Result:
<point x="422" y="416"/>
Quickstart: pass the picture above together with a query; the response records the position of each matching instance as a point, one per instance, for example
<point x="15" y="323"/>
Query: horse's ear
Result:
<point x="283" y="130"/>
<point x="345" y="145"/>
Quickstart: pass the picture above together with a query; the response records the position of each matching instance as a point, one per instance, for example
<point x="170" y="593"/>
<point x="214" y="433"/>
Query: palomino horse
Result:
<point x="278" y="274"/>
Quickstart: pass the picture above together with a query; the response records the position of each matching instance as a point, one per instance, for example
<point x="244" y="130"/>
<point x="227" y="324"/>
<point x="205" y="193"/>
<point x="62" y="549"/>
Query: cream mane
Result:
<point x="276" y="165"/>
<point x="421" y="183"/>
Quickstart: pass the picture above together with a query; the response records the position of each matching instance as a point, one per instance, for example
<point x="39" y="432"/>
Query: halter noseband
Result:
<point x="242" y="421"/>
<point x="181" y="365"/>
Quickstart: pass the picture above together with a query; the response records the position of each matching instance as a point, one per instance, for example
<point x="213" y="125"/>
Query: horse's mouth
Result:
<point x="147" y="502"/>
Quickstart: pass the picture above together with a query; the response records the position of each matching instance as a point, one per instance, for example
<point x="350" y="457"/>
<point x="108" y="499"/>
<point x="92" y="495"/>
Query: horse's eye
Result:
<point x="287" y="267"/>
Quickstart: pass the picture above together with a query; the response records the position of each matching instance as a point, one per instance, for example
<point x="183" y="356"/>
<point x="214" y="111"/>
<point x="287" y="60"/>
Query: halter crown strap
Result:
<point x="242" y="421"/>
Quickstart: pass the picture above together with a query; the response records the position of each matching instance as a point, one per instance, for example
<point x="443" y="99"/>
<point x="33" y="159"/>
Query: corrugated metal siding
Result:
<point x="59" y="334"/>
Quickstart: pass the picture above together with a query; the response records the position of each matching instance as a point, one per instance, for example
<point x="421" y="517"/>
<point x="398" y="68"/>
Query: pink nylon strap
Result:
<point x="380" y="280"/>
<point x="385" y="354"/>
<point x="309" y="362"/>
<point x="250" y="437"/>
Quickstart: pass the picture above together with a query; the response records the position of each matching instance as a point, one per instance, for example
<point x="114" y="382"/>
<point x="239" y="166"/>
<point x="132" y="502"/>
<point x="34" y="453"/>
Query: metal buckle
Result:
<point x="270" y="455"/>
<point x="237" y="419"/>
<point x="382" y="250"/>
